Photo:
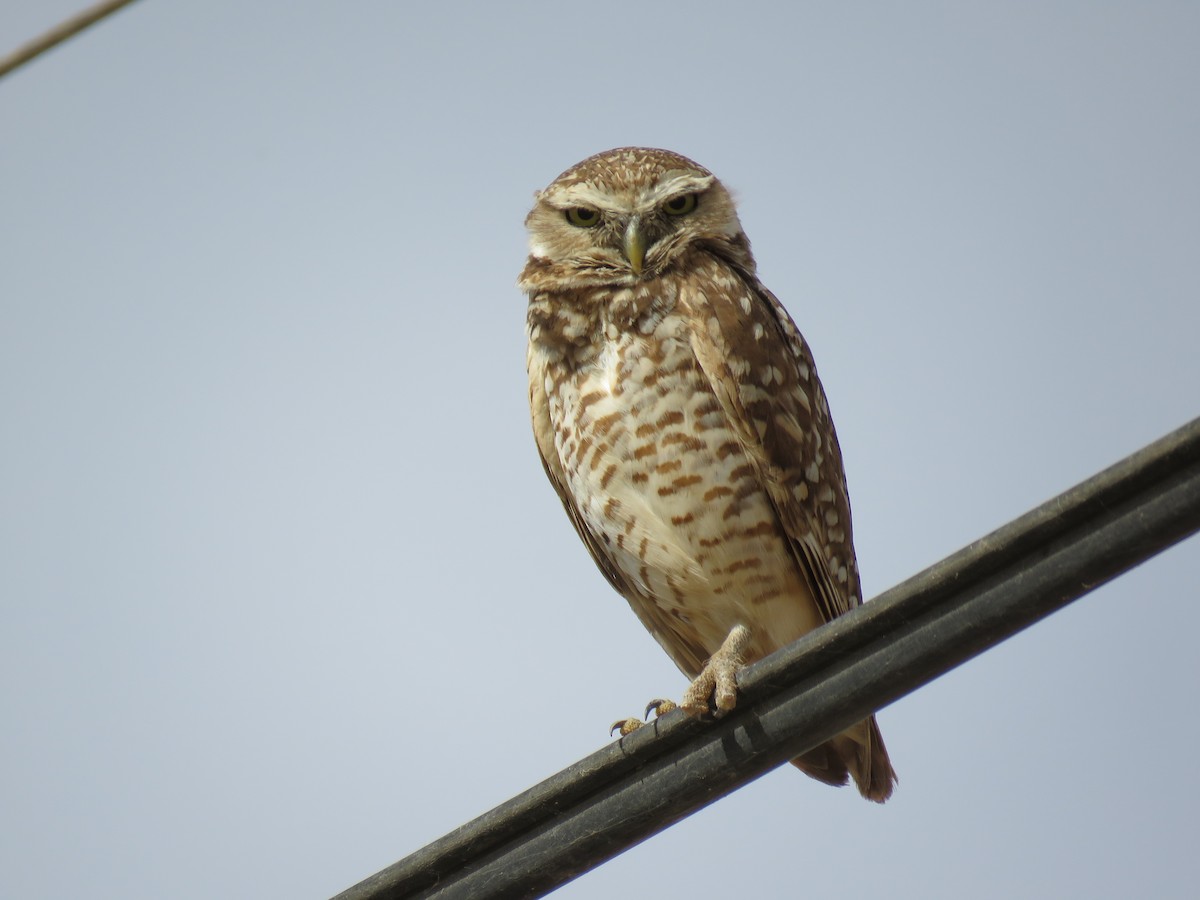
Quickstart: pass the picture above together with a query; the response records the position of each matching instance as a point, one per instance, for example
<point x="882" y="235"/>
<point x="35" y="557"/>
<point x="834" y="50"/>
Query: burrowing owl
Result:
<point x="680" y="418"/>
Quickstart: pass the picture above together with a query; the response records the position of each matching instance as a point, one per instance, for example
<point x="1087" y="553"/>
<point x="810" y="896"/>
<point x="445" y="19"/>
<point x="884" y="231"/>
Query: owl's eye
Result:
<point x="680" y="206"/>
<point x="583" y="217"/>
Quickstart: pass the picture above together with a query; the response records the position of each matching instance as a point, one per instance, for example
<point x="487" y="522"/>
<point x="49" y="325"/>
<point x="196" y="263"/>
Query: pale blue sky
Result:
<point x="284" y="595"/>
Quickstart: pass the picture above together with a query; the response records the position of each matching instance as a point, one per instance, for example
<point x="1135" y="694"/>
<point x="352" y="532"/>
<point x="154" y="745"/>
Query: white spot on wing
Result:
<point x="608" y="363"/>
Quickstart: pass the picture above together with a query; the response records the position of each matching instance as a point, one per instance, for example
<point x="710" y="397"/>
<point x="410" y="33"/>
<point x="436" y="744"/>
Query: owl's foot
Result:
<point x="633" y="723"/>
<point x="716" y="685"/>
<point x="717" y="681"/>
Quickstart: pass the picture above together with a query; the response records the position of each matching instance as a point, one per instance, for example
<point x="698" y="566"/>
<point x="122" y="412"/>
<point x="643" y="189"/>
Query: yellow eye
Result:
<point x="583" y="217"/>
<point x="680" y="206"/>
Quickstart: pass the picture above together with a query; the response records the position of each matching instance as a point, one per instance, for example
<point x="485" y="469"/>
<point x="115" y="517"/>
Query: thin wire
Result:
<point x="59" y="33"/>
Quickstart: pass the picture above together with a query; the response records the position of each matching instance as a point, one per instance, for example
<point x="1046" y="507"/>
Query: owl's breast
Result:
<point x="661" y="480"/>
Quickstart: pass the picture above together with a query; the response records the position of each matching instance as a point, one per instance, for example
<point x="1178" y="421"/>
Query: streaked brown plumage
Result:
<point x="680" y="418"/>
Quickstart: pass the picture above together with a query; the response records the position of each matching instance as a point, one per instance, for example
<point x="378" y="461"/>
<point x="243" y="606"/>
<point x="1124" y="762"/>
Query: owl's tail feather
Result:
<point x="825" y="764"/>
<point x="873" y="773"/>
<point x="835" y="761"/>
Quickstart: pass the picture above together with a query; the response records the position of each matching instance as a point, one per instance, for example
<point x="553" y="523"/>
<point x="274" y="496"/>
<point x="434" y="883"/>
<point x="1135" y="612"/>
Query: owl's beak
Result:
<point x="634" y="245"/>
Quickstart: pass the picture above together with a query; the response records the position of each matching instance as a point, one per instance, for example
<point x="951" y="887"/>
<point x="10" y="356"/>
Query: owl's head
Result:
<point x="626" y="216"/>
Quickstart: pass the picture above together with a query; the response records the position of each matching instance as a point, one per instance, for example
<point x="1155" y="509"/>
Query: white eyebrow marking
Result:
<point x="672" y="184"/>
<point x="627" y="200"/>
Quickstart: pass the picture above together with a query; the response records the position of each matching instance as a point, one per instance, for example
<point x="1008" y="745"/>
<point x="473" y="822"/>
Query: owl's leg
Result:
<point x="718" y="679"/>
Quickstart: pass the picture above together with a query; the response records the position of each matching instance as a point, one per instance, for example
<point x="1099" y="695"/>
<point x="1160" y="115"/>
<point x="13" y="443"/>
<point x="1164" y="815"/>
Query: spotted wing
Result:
<point x="763" y="374"/>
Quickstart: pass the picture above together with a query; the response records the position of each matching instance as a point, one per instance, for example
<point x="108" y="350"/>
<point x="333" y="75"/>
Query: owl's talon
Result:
<point x="630" y="725"/>
<point x="626" y="726"/>
<point x="717" y="682"/>
<point x="659" y="708"/>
